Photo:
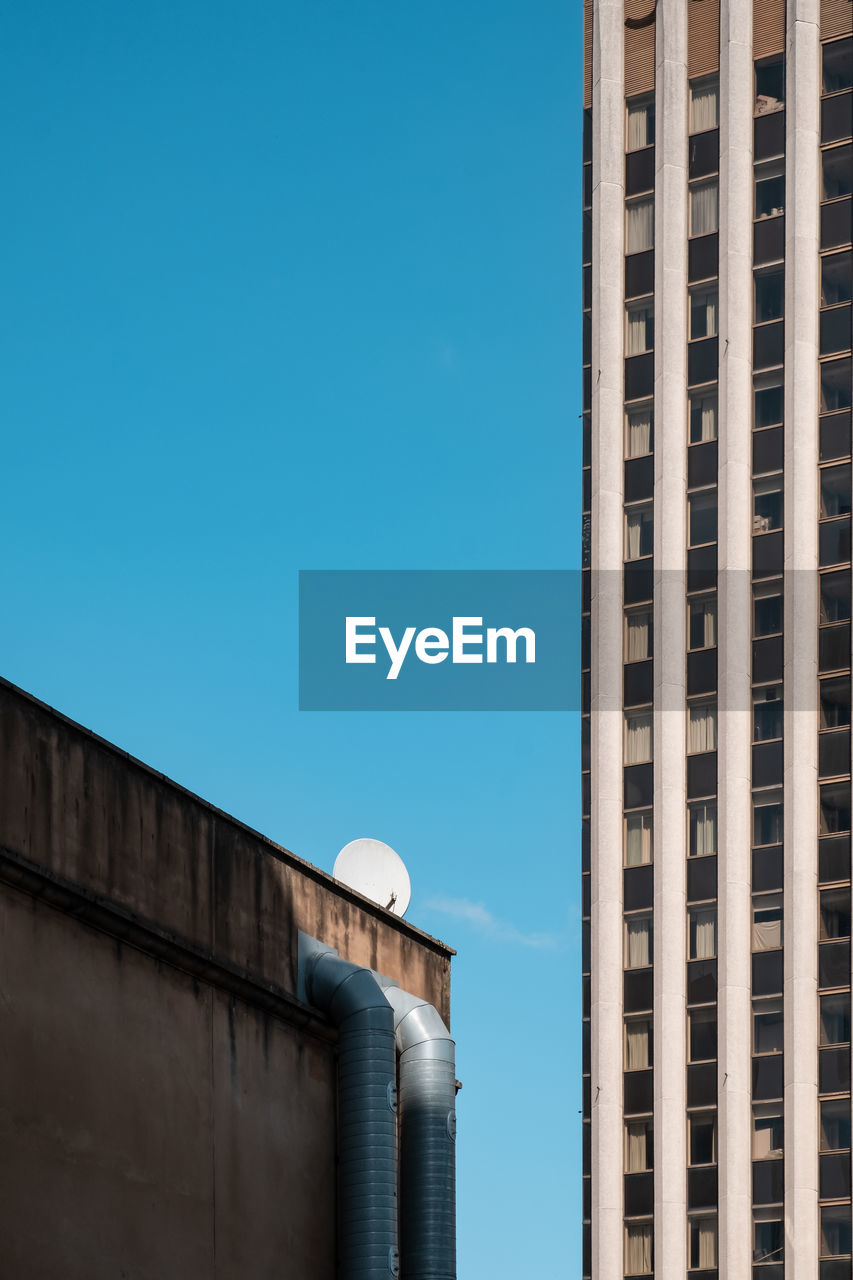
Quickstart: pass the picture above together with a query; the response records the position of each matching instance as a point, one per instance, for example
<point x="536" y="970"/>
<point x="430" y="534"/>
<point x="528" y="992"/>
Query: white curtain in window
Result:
<point x="640" y="229"/>
<point x="638" y="332"/>
<point x="638" y="127"/>
<point x="633" y="534"/>
<point x="637" y="943"/>
<point x="636" y="1154"/>
<point x="766" y="934"/>
<point x="702" y="728"/>
<point x="707" y="1229"/>
<point x="703" y="419"/>
<point x="636" y="1046"/>
<point x="638" y="738"/>
<point x="639" y="1251"/>
<point x="703" y="107"/>
<point x="703" y="823"/>
<point x="638" y="839"/>
<point x="703" y="209"/>
<point x="704" y="930"/>
<point x="639" y="432"/>
<point x="710" y="623"/>
<point x="637" y="637"/>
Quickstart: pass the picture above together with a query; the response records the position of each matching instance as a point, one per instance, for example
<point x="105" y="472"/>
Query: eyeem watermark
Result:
<point x="433" y="645"/>
<point x="431" y="640"/>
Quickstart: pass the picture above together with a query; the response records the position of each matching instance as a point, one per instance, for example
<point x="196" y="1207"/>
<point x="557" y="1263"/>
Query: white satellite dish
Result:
<point x="375" y="870"/>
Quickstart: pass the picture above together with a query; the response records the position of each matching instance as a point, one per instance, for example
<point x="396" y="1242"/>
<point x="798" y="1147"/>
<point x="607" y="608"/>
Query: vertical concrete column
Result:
<point x="734" y="648"/>
<point x="801" y="618"/>
<point x="670" y="543"/>
<point x="608" y="214"/>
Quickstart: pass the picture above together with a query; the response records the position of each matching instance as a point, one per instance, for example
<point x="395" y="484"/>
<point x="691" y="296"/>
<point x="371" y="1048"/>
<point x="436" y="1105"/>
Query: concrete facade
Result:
<point x="167" y="1104"/>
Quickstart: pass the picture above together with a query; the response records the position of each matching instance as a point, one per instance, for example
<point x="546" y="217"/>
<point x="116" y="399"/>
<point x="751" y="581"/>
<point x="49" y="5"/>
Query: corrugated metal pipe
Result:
<point x="427" y="1139"/>
<point x="367" y="1100"/>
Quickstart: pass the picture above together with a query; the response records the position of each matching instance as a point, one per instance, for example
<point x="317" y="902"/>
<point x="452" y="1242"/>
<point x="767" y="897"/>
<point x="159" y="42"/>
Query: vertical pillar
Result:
<point x="608" y="306"/>
<point x="801" y="616"/>
<point x="670" y="555"/>
<point x="734" y="660"/>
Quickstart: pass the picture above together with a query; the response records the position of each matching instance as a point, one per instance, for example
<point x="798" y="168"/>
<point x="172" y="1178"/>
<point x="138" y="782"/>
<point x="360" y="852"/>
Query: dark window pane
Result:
<point x="834" y="1070"/>
<point x="835" y="330"/>
<point x="703" y="257"/>
<point x="702" y="361"/>
<point x="637" y="582"/>
<point x="639" y="376"/>
<point x="767" y="555"/>
<point x="701" y="879"/>
<point x="769" y="296"/>
<point x="767" y="868"/>
<point x="638" y="991"/>
<point x="768" y="450"/>
<point x="702" y="464"/>
<point x="702" y="567"/>
<point x="639" y="478"/>
<point x="836" y="223"/>
<point x="768" y="1181"/>
<point x="834" y="858"/>
<point x="833" y="964"/>
<point x="701" y="1189"/>
<point x="769" y="405"/>
<point x="701" y="775"/>
<point x="837" y="65"/>
<point x="767" y="973"/>
<point x="767" y="1077"/>
<point x="837" y="172"/>
<point x="767" y="655"/>
<point x="639" y="274"/>
<point x="638" y="887"/>
<point x="640" y="171"/>
<point x="638" y="1090"/>
<point x="834" y="753"/>
<point x="835" y="436"/>
<point x="767" y="764"/>
<point x="702" y="1084"/>
<point x="638" y="683"/>
<point x="639" y="785"/>
<point x="639" y="1194"/>
<point x="834" y="647"/>
<point x="769" y="136"/>
<point x="768" y="345"/>
<point x="701" y="981"/>
<point x="768" y="240"/>
<point x="836" y="118"/>
<point x="701" y="671"/>
<point x="704" y="155"/>
<point x="835" y="1177"/>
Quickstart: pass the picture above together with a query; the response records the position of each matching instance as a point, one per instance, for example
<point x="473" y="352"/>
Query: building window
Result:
<point x="638" y="942"/>
<point x="767" y="505"/>
<point x="640" y="329"/>
<point x="835" y="1019"/>
<point x="640" y="124"/>
<point x="703" y="207"/>
<point x="638" y="838"/>
<point x="640" y="225"/>
<point x="639" y="532"/>
<point x="703" y="1139"/>
<point x="769" y="296"/>
<point x="639" y="1146"/>
<point x="836" y="279"/>
<point x="769" y="402"/>
<point x="767" y="713"/>
<point x="767" y="1026"/>
<point x="835" y="491"/>
<point x="703" y="417"/>
<point x="834" y="597"/>
<point x="638" y="1044"/>
<point x="702" y="1034"/>
<point x="703" y="1243"/>
<point x="769" y="85"/>
<point x="638" y="635"/>
<point x="768" y="1236"/>
<point x="769" y="189"/>
<point x="702" y="518"/>
<point x="701" y="726"/>
<point x="702" y="623"/>
<point x="837" y="171"/>
<point x="704" y="104"/>
<point x="767" y="612"/>
<point x="638" y="737"/>
<point x="638" y="1249"/>
<point x="702" y="933"/>
<point x="838" y="66"/>
<point x="703" y="313"/>
<point x="836" y="391"/>
<point x="834" y="808"/>
<point x="767" y="922"/>
<point x="836" y="1230"/>
<point x="834" y="914"/>
<point x="702" y="828"/>
<point x="768" y="1131"/>
<point x="835" y="1125"/>
<point x="639" y="431"/>
<point x="767" y="818"/>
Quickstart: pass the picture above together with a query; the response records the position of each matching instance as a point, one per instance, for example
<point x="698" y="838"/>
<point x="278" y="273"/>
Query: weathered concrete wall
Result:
<point x="167" y="1106"/>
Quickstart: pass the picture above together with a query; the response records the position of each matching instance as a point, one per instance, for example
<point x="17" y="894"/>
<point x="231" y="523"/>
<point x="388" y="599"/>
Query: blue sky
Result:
<point x="296" y="285"/>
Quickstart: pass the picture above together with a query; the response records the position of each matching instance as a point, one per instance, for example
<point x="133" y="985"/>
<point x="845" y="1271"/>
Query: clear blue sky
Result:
<point x="296" y="285"/>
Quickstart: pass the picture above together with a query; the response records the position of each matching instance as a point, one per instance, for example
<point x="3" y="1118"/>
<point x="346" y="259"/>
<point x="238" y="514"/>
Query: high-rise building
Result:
<point x="718" y="178"/>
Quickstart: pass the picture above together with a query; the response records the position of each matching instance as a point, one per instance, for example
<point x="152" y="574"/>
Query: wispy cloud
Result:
<point x="478" y="915"/>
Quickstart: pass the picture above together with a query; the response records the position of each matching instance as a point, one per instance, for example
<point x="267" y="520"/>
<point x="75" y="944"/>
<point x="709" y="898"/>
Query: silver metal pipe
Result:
<point x="427" y="1139"/>
<point x="367" y="1101"/>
